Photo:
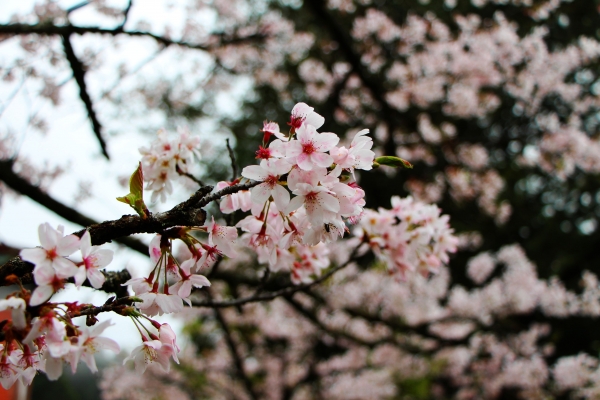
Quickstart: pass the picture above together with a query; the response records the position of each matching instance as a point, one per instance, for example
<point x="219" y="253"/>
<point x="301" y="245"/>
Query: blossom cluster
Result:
<point x="166" y="160"/>
<point x="52" y="267"/>
<point x="43" y="335"/>
<point x="306" y="195"/>
<point x="410" y="237"/>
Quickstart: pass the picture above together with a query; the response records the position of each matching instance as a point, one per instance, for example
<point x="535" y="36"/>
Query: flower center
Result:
<point x="263" y="153"/>
<point x="296" y="121"/>
<point x="271" y="180"/>
<point x="308" y="147"/>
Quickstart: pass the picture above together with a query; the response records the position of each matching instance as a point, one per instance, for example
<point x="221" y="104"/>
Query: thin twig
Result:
<point x="225" y="191"/>
<point x="126" y="14"/>
<point x="288" y="291"/>
<point x="234" y="167"/>
<point x="190" y="176"/>
<point x="49" y="29"/>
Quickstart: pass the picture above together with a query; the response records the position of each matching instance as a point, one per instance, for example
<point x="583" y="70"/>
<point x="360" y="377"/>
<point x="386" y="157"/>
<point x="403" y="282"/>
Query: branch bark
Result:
<point x="21" y="185"/>
<point x="79" y="74"/>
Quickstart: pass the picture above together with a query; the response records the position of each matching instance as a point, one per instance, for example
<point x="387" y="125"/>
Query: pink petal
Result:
<point x="40" y="295"/>
<point x="326" y="141"/>
<point x="255" y="172"/>
<point x="321" y="159"/>
<point x="281" y="197"/>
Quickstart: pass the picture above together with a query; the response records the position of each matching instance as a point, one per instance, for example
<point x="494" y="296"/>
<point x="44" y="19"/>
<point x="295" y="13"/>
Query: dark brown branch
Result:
<point x="187" y="213"/>
<point x="79" y="75"/>
<point x="21" y="185"/>
<point x="225" y="191"/>
<point x="112" y="305"/>
<point x="239" y="366"/>
<point x="62" y="30"/>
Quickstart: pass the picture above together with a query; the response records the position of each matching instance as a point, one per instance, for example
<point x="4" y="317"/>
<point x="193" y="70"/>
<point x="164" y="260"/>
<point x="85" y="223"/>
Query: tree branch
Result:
<point x="21" y="185"/>
<point x="288" y="291"/>
<point x="188" y="213"/>
<point x="234" y="354"/>
<point x="65" y="30"/>
<point x="79" y="75"/>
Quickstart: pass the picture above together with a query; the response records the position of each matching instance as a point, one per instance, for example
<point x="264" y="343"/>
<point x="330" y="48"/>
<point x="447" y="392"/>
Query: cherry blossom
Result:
<point x="55" y="247"/>
<point x="94" y="258"/>
<point x="309" y="150"/>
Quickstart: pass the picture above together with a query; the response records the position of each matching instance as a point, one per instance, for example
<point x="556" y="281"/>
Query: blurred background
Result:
<point x="494" y="102"/>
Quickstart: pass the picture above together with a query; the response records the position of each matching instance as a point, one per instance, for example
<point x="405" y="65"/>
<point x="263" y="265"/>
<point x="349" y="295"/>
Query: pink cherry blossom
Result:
<point x="94" y="258"/>
<point x="269" y="172"/>
<point x="359" y="155"/>
<point x="223" y="237"/>
<point x="309" y="150"/>
<point x="55" y="247"/>
<point x="316" y="201"/>
<point x="90" y="342"/>
<point x="303" y="114"/>
<point x="148" y="353"/>
<point x="183" y="287"/>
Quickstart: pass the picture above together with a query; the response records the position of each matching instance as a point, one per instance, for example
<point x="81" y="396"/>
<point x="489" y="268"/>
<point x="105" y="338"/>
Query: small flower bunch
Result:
<point x="306" y="195"/>
<point x="43" y="338"/>
<point x="41" y="335"/>
<point x="52" y="268"/>
<point x="170" y="282"/>
<point x="166" y="160"/>
<point x="411" y="237"/>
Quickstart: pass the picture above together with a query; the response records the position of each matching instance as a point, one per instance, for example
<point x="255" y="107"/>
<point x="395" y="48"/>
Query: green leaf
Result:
<point x="392" y="161"/>
<point x="135" y="197"/>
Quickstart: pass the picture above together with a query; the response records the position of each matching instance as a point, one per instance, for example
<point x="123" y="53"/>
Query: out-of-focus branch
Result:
<point x="126" y="14"/>
<point x="21" y="185"/>
<point x="312" y="317"/>
<point x="287" y="291"/>
<point x="391" y="116"/>
<point x="239" y="365"/>
<point x="62" y="30"/>
<point x="79" y="75"/>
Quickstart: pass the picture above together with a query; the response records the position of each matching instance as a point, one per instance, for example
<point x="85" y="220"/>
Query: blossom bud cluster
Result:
<point x="170" y="282"/>
<point x="166" y="160"/>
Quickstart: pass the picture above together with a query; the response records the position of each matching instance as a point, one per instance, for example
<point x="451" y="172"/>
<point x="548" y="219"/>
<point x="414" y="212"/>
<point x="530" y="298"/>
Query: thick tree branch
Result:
<point x="79" y="75"/>
<point x="188" y="213"/>
<point x="21" y="185"/>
